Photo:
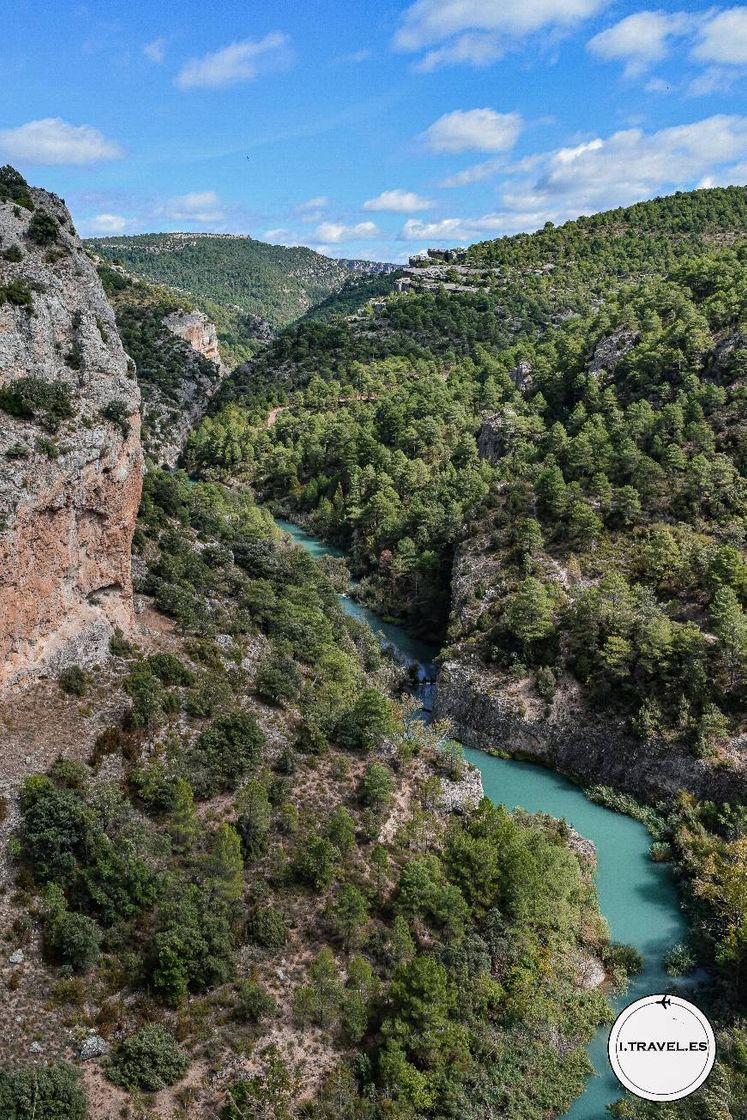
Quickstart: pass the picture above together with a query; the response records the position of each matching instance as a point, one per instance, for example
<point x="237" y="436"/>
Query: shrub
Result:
<point x="75" y="940"/>
<point x="254" y="1003"/>
<point x="227" y="751"/>
<point x="679" y="961"/>
<point x="278" y="680"/>
<point x="376" y="786"/>
<point x="267" y="927"/>
<point x="169" y="669"/>
<point x="74" y="681"/>
<point x="19" y="294"/>
<point x="13" y="254"/>
<point x="117" y="413"/>
<point x="34" y="398"/>
<point x="150" y="1059"/>
<point x="53" y="1092"/>
<point x="14" y="188"/>
<point x="43" y="228"/>
<point x="148" y="696"/>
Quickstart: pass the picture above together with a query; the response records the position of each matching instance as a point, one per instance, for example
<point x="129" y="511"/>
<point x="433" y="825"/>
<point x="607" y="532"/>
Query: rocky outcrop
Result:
<point x="70" y="455"/>
<point x="611" y="349"/>
<point x="495" y="434"/>
<point x="490" y="714"/>
<point x="173" y="408"/>
<point x="196" y="329"/>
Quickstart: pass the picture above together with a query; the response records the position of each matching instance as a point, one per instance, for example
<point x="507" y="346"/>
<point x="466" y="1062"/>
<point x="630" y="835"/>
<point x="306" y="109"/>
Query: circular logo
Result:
<point x="662" y="1048"/>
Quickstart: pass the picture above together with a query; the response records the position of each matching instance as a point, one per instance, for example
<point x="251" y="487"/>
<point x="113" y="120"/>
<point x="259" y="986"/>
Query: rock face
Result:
<point x="171" y="412"/>
<point x="70" y="456"/>
<point x="196" y="329"/>
<point x="594" y="750"/>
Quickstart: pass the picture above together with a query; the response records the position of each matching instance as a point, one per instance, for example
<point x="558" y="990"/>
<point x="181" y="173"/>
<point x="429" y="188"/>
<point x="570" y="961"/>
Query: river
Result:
<point x="637" y="897"/>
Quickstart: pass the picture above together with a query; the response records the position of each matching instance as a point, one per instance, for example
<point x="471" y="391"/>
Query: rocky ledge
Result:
<point x="486" y="713"/>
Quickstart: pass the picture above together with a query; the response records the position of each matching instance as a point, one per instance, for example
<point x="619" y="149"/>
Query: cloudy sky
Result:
<point x="369" y="129"/>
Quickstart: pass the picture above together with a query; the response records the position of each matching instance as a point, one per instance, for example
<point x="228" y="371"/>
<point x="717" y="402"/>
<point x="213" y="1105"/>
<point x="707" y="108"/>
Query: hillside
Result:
<point x="549" y="472"/>
<point x="246" y="278"/>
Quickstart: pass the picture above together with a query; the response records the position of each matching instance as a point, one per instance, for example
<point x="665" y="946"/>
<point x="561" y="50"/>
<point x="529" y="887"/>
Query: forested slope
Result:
<point x="260" y="280"/>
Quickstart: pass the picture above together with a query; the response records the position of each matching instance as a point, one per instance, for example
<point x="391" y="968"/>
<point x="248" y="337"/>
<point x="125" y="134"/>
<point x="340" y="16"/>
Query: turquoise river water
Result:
<point x="637" y="897"/>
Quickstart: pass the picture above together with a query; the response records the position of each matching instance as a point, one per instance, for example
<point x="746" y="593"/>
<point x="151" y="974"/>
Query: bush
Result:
<point x="19" y="294"/>
<point x="43" y="228"/>
<point x="267" y="927"/>
<point x="679" y="961"/>
<point x="74" y="681"/>
<point x="34" y="398"/>
<point x="376" y="786"/>
<point x="254" y="1003"/>
<point x="75" y="940"/>
<point x="148" y="696"/>
<point x="278" y="680"/>
<point x="227" y="752"/>
<point x="149" y="1059"/>
<point x="117" y="413"/>
<point x="52" y="1092"/>
<point x="169" y="669"/>
<point x="14" y="188"/>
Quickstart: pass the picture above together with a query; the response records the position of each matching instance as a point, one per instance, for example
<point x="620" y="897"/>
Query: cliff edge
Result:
<point x="70" y="454"/>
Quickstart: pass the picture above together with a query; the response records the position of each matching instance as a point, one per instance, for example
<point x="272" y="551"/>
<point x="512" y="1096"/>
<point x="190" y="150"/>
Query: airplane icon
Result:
<point x="665" y="1001"/>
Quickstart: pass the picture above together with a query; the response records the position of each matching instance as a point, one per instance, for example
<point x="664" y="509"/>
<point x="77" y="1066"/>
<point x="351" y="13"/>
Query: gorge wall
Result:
<point x="70" y="454"/>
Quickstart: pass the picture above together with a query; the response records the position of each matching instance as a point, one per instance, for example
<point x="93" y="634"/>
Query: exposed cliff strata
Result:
<point x="70" y="456"/>
<point x="490" y="714"/>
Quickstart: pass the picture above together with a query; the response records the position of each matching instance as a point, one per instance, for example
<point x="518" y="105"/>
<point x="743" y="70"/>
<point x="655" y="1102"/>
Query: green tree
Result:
<point x="350" y="915"/>
<point x="224" y="866"/>
<point x="150" y="1059"/>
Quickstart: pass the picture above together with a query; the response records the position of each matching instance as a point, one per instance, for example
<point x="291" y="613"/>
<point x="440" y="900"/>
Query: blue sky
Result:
<point x="372" y="129"/>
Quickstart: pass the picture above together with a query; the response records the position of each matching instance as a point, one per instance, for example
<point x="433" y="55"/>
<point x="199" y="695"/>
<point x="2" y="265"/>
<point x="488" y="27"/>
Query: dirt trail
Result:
<point x="275" y="412"/>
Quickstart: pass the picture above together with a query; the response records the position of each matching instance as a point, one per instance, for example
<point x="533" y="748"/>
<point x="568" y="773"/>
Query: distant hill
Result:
<point x="245" y="276"/>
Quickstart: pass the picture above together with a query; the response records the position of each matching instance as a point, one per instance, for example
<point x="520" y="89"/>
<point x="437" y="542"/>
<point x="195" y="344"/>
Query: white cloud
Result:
<point x="110" y="223"/>
<point x="723" y="39"/>
<point x="471" y="229"/>
<point x="399" y="202"/>
<point x="155" y="50"/>
<point x="602" y="173"/>
<point x="630" y="165"/>
<point x="196" y="206"/>
<point x="239" y="62"/>
<point x="278" y="236"/>
<point x="54" y="141"/>
<point x="473" y="30"/>
<point x="640" y="39"/>
<point x="318" y="203"/>
<point x="479" y="130"/>
<point x="658" y="85"/>
<point x="333" y="232"/>
<point x="477" y="173"/>
<point x="472" y="48"/>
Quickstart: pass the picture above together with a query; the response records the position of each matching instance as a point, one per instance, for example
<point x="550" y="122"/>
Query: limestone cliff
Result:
<point x="70" y="455"/>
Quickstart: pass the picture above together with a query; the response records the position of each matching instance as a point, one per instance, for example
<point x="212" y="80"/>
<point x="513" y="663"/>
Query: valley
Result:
<point x="242" y="877"/>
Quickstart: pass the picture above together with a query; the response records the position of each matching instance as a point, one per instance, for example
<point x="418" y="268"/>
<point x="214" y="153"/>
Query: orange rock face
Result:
<point x="69" y="485"/>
